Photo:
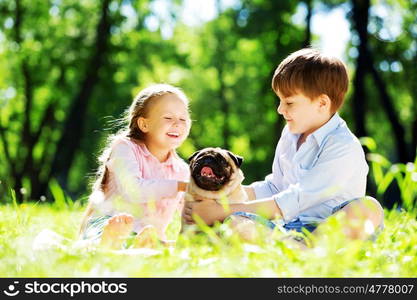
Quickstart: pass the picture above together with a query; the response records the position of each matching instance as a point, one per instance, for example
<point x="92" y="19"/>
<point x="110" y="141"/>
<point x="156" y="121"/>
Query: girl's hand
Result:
<point x="182" y="186"/>
<point x="208" y="210"/>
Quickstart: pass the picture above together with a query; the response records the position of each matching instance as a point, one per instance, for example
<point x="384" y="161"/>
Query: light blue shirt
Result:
<point x="328" y="169"/>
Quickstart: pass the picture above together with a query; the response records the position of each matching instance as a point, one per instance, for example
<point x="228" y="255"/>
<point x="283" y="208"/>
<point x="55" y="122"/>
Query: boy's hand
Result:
<point x="208" y="210"/>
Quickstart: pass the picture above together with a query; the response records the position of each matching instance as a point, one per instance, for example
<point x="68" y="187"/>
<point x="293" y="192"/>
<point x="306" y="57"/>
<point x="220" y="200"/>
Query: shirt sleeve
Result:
<point x="125" y="168"/>
<point x="265" y="188"/>
<point x="339" y="167"/>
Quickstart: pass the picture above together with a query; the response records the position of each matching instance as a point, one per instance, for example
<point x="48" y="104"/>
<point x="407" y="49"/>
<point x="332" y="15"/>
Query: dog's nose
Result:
<point x="208" y="160"/>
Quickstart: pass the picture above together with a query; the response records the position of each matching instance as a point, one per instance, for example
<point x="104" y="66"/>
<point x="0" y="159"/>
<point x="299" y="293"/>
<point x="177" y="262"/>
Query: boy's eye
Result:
<point x="167" y="118"/>
<point x="183" y="120"/>
<point x="289" y="103"/>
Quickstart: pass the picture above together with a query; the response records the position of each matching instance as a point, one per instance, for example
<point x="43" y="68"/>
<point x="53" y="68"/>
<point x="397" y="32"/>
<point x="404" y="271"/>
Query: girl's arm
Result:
<point x="126" y="170"/>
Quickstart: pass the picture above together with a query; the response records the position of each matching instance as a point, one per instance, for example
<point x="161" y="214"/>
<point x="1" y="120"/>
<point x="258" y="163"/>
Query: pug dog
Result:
<point x="216" y="174"/>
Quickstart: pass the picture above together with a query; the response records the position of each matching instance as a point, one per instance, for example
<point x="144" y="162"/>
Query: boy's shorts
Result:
<point x="295" y="225"/>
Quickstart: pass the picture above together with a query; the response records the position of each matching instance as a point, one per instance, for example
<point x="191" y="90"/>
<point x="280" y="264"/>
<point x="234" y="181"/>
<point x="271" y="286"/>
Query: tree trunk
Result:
<point x="360" y="9"/>
<point x="219" y="64"/>
<point x="398" y="129"/>
<point x="307" y="39"/>
<point x="413" y="91"/>
<point x="360" y="20"/>
<point x="74" y="125"/>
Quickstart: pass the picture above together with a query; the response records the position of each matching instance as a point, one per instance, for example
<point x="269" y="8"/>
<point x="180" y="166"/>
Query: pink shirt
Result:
<point x="139" y="184"/>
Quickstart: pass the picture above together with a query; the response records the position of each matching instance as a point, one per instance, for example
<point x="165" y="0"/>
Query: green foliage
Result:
<point x="384" y="172"/>
<point x="26" y="253"/>
<point x="60" y="199"/>
<point x="27" y="250"/>
<point x="224" y="65"/>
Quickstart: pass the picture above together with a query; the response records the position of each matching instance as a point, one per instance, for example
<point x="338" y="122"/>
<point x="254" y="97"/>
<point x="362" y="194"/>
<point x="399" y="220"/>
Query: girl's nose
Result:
<point x="177" y="123"/>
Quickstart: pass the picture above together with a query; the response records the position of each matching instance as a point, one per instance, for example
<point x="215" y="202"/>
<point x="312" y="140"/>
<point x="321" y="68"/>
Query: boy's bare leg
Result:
<point x="116" y="231"/>
<point x="250" y="231"/>
<point x="245" y="228"/>
<point x="360" y="218"/>
<point x="363" y="218"/>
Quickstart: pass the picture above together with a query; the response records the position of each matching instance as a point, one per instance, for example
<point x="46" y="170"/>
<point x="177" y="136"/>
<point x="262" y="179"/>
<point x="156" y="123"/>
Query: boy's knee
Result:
<point x="245" y="228"/>
<point x="366" y="208"/>
<point x="374" y="210"/>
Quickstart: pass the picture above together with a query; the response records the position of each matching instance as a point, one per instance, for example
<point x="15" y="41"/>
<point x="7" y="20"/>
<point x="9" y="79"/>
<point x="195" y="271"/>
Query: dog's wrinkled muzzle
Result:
<point x="210" y="174"/>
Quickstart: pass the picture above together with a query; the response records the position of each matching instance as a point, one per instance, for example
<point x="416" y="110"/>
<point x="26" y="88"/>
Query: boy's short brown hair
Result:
<point x="310" y="72"/>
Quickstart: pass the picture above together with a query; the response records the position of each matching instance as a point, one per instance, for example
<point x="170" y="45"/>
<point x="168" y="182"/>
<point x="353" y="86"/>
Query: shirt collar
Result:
<point x="321" y="133"/>
<point x="169" y="162"/>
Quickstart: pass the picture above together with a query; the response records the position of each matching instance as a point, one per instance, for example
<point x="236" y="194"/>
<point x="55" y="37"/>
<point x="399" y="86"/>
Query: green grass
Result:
<point x="393" y="254"/>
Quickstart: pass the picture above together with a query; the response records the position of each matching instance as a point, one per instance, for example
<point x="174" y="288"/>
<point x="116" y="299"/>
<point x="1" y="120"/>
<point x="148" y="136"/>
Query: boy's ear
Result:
<point x="143" y="126"/>
<point x="324" y="101"/>
<point x="193" y="155"/>
<point x="236" y="158"/>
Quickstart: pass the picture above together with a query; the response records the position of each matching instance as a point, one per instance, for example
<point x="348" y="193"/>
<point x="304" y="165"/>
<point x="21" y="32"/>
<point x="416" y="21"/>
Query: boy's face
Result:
<point x="303" y="114"/>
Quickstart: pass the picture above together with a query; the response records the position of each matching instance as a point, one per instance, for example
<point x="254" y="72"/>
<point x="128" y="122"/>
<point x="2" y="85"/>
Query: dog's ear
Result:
<point x="236" y="158"/>
<point x="193" y="155"/>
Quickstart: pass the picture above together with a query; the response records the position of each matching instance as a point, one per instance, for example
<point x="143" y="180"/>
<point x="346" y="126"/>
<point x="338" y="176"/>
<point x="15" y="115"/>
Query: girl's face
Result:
<point x="167" y="123"/>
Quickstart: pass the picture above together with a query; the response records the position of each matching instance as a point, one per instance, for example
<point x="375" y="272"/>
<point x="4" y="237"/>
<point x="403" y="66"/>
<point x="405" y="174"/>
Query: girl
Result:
<point x="140" y="181"/>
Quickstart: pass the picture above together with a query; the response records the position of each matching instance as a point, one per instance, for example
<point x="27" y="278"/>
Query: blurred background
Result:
<point x="69" y="69"/>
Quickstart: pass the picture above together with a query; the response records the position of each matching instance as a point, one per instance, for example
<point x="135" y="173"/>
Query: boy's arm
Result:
<point x="250" y="192"/>
<point x="339" y="172"/>
<point x="210" y="211"/>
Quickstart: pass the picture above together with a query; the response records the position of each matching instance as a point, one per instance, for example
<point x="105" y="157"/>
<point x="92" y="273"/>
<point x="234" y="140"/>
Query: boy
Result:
<point x="319" y="166"/>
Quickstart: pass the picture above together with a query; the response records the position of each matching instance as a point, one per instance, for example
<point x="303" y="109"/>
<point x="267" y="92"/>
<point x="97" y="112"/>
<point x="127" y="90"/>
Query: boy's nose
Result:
<point x="280" y="109"/>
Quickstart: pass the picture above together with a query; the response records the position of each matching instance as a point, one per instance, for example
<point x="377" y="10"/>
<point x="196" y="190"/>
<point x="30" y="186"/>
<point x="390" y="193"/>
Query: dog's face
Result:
<point x="212" y="168"/>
